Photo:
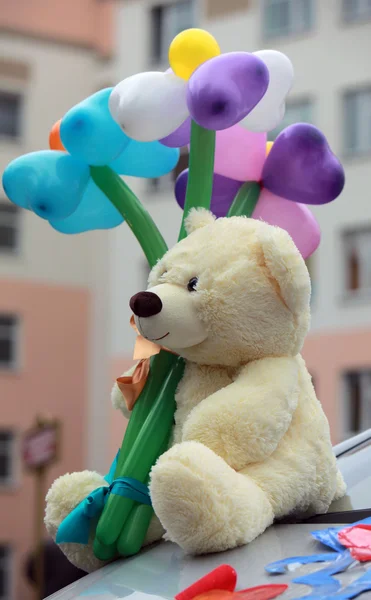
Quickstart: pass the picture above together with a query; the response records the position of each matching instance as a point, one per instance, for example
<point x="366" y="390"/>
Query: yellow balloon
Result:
<point x="268" y="148"/>
<point x="189" y="49"/>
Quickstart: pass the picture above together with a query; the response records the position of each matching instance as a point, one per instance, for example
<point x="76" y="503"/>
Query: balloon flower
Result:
<point x="299" y="169"/>
<point x="204" y="91"/>
<point x="222" y="106"/>
<point x="75" y="185"/>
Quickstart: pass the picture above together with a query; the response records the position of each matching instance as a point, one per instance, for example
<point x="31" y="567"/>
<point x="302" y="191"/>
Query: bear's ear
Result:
<point x="197" y="218"/>
<point x="287" y="269"/>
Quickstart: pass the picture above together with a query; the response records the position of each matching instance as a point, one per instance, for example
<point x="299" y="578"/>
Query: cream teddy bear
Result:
<point x="250" y="442"/>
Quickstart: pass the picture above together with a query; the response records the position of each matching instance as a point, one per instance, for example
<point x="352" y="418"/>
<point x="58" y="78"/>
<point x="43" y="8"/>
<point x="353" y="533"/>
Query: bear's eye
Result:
<point x="192" y="284"/>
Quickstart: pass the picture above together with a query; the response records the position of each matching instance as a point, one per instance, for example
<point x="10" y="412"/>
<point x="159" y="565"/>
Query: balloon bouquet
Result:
<point x="221" y="106"/>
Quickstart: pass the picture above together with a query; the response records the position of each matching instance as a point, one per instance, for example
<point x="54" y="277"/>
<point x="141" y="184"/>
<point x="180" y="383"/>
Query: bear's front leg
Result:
<point x="64" y="495"/>
<point x="203" y="504"/>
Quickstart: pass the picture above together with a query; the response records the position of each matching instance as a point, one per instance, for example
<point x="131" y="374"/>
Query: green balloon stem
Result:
<point x="159" y="367"/>
<point x="164" y="367"/>
<point x="103" y="552"/>
<point x="201" y="171"/>
<point x="245" y="200"/>
<point x="135" y="530"/>
<point x="134" y="213"/>
<point x="144" y="452"/>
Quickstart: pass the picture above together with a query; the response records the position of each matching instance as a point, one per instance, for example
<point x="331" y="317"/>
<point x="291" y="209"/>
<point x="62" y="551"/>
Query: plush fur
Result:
<point x="251" y="442"/>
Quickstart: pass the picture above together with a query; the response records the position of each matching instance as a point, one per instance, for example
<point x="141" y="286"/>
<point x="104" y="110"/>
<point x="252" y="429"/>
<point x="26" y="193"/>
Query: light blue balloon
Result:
<point x="49" y="183"/>
<point x="146" y="159"/>
<point x="88" y="131"/>
<point x="95" y="211"/>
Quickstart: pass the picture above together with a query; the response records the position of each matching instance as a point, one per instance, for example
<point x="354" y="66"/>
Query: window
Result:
<point x="166" y="22"/>
<point x="7" y="449"/>
<point x="167" y="182"/>
<point x="287" y="17"/>
<point x="5" y="572"/>
<point x="357" y="260"/>
<point x="9" y="226"/>
<point x="357" y="121"/>
<point x="10" y="114"/>
<point x="297" y="111"/>
<point x="357" y="407"/>
<point x="8" y="341"/>
<point x="356" y="10"/>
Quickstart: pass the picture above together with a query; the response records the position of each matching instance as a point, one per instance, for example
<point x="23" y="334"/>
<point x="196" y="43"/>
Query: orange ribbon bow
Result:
<point x="131" y="386"/>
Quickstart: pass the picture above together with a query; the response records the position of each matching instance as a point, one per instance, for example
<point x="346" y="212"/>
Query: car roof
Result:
<point x="163" y="570"/>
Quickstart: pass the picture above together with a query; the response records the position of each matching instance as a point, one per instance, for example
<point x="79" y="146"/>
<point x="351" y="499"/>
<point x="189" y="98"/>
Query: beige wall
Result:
<point x="75" y="22"/>
<point x="57" y="78"/>
<point x="56" y="284"/>
<point x="52" y="378"/>
<point x="328" y="356"/>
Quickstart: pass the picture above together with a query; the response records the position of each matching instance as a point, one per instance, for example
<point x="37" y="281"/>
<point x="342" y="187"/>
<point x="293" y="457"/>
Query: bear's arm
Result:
<point x="244" y="422"/>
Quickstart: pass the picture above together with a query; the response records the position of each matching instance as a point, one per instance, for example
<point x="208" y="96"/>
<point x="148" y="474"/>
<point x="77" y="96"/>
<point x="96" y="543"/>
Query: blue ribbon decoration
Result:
<point x="323" y="582"/>
<point x="279" y="567"/>
<point x="354" y="589"/>
<point x="76" y="527"/>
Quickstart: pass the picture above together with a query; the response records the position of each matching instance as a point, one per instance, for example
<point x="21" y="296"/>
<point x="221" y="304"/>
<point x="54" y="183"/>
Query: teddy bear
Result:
<point x="250" y="443"/>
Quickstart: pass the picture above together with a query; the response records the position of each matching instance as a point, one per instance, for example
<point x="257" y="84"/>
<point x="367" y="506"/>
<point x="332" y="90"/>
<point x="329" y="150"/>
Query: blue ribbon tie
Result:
<point x="76" y="527"/>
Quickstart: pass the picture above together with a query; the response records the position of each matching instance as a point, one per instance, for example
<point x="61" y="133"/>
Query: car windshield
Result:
<point x="355" y="464"/>
<point x="354" y="459"/>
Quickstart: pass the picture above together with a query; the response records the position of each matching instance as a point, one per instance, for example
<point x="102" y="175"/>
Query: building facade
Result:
<point x="65" y="330"/>
<point x="53" y="341"/>
<point x="329" y="44"/>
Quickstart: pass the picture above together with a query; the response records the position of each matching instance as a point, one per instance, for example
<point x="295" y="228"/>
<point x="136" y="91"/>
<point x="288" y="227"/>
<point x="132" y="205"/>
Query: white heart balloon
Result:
<point x="269" y="112"/>
<point x="149" y="106"/>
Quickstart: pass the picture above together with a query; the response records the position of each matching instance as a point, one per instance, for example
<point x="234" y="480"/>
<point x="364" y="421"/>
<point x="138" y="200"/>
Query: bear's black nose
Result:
<point x="146" y="304"/>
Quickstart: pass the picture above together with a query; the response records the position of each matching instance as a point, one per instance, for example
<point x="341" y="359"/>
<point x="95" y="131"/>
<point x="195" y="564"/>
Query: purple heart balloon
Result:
<point x="180" y="137"/>
<point x="224" y="89"/>
<point x="301" y="167"/>
<point x="224" y="191"/>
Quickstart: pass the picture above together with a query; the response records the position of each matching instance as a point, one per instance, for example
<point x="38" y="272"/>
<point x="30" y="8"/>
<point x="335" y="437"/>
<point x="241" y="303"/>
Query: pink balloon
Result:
<point x="295" y="218"/>
<point x="240" y="154"/>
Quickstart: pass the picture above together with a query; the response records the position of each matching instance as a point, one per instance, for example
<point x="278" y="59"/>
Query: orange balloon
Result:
<point x="268" y="148"/>
<point x="55" y="142"/>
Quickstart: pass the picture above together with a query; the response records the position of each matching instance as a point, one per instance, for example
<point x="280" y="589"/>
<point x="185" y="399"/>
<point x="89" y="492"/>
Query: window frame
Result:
<point x="349" y="19"/>
<point x="9" y="570"/>
<point x="15" y="365"/>
<point x="17" y="216"/>
<point x="12" y="482"/>
<point x="290" y="32"/>
<point x="360" y="294"/>
<point x="346" y="430"/>
<point x="17" y="92"/>
<point x="158" y="40"/>
<point x="347" y="151"/>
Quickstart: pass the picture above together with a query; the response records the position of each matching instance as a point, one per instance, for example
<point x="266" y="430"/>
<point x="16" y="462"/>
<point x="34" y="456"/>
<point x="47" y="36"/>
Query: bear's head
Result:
<point x="235" y="290"/>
